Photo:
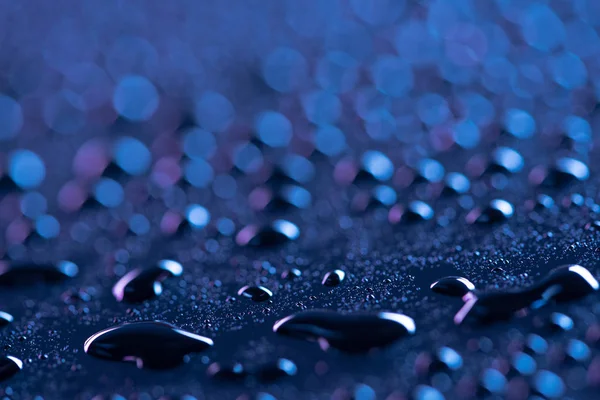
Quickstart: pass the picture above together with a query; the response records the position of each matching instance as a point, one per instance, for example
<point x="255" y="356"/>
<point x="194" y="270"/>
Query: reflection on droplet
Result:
<point x="276" y="233"/>
<point x="233" y="372"/>
<point x="455" y="286"/>
<point x="255" y="293"/>
<point x="566" y="283"/>
<point x="150" y="344"/>
<point x="143" y="284"/>
<point x="333" y="278"/>
<point x="354" y="333"/>
<point x="22" y="273"/>
<point x="9" y="366"/>
<point x="5" y="318"/>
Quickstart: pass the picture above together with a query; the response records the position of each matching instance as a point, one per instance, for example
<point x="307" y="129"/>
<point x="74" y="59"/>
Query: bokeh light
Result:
<point x="135" y="98"/>
<point x="26" y="169"/>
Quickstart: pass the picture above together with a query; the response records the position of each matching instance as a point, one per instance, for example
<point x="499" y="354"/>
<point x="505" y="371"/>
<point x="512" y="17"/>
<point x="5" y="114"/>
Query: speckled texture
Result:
<point x="207" y="143"/>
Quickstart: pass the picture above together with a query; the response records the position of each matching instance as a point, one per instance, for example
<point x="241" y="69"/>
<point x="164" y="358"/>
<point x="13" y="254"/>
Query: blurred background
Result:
<point x="199" y="93"/>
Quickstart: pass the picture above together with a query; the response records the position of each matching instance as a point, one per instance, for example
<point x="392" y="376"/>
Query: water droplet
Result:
<point x="543" y="201"/>
<point x="417" y="211"/>
<point x="333" y="278"/>
<point x="536" y="344"/>
<point x="456" y="183"/>
<point x="561" y="322"/>
<point x="506" y="160"/>
<point x="255" y="293"/>
<point x="5" y="318"/>
<point x="524" y="364"/>
<point x="234" y="372"/>
<point x="447" y="358"/>
<point x="279" y="369"/>
<point x="143" y="284"/>
<point x="354" y="333"/>
<point x="291" y="274"/>
<point x="375" y="166"/>
<point x="497" y="211"/>
<point x="276" y="233"/>
<point x="578" y="350"/>
<point x="9" y="366"/>
<point x="455" y="286"/>
<point x="548" y="384"/>
<point x="429" y="171"/>
<point x="150" y="344"/>
<point x="25" y="273"/>
<point x="424" y="392"/>
<point x="565" y="283"/>
<point x="564" y="171"/>
<point x="290" y="196"/>
<point x="492" y="381"/>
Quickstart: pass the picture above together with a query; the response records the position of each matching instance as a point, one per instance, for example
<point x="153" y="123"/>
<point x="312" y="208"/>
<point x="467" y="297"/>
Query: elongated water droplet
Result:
<point x="565" y="283"/>
<point x="455" y="286"/>
<point x="143" y="284"/>
<point x="150" y="344"/>
<point x="21" y="274"/>
<point x="354" y="333"/>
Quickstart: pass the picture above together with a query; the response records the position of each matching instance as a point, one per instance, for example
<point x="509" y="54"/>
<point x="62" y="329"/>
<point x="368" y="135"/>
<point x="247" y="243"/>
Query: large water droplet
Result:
<point x="9" y="366"/>
<point x="354" y="333"/>
<point x="255" y="293"/>
<point x="455" y="286"/>
<point x="5" y="318"/>
<point x="143" y="284"/>
<point x="150" y="344"/>
<point x="565" y="283"/>
<point x="28" y="273"/>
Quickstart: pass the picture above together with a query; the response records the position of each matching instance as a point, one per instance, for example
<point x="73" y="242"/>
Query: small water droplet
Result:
<point x="498" y="210"/>
<point x="417" y="211"/>
<point x="281" y="368"/>
<point x="143" y="284"/>
<point x="276" y="233"/>
<point x="506" y="160"/>
<point x="354" y="333"/>
<point x="524" y="364"/>
<point x="456" y="183"/>
<point x="21" y="273"/>
<point x="446" y="358"/>
<point x="333" y="278"/>
<point x="255" y="293"/>
<point x="233" y="372"/>
<point x="150" y="344"/>
<point x="455" y="286"/>
<point x="548" y="384"/>
<point x="291" y="274"/>
<point x="560" y="322"/>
